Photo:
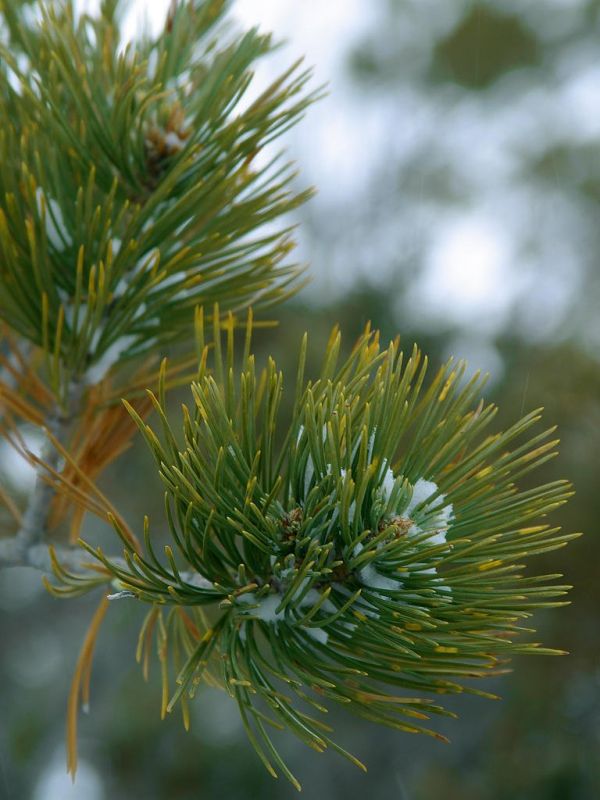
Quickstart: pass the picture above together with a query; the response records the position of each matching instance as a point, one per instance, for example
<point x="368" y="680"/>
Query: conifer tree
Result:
<point x="366" y="549"/>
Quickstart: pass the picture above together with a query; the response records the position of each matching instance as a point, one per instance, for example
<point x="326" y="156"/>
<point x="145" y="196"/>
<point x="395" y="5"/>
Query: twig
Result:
<point x="15" y="552"/>
<point x="27" y="548"/>
<point x="35" y="519"/>
<point x="73" y="559"/>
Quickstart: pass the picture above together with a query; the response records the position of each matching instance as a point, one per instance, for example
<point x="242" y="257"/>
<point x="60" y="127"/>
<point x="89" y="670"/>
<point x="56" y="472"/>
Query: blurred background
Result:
<point x="457" y="158"/>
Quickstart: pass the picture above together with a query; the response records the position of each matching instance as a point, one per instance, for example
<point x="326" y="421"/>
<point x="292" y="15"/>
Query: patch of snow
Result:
<point x="318" y="634"/>
<point x="97" y="371"/>
<point x="312" y="597"/>
<point x="369" y="576"/>
<point x="421" y="491"/>
<point x="50" y="211"/>
<point x="69" y="310"/>
<point x="387" y="486"/>
<point x="351" y="512"/>
<point x="196" y="579"/>
<point x="247" y="597"/>
<point x="368" y="610"/>
<point x="125" y="594"/>
<point x="371" y="445"/>
<point x="309" y="472"/>
<point x="437" y="521"/>
<point x="266" y="609"/>
<point x="174" y="142"/>
<point x="179" y="81"/>
<point x="169" y="280"/>
<point x="350" y="626"/>
<point x="152" y="64"/>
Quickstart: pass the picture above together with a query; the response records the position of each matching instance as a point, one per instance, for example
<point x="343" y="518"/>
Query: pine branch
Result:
<point x="29" y="547"/>
<point x="133" y="186"/>
<point x="51" y="558"/>
<point x="17" y="552"/>
<point x="35" y="519"/>
<point x="371" y="544"/>
<point x="374" y="542"/>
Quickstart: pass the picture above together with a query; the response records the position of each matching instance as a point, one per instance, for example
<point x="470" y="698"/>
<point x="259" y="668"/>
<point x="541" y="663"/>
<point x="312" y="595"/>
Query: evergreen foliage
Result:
<point x="372" y="543"/>
<point x="131" y="187"/>
<point x="369" y="548"/>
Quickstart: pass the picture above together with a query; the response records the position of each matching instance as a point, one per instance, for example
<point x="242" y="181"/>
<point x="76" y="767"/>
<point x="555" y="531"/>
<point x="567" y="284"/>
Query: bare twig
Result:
<point x="15" y="552"/>
<point x="27" y="548"/>
<point x="35" y="519"/>
<point x="72" y="559"/>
